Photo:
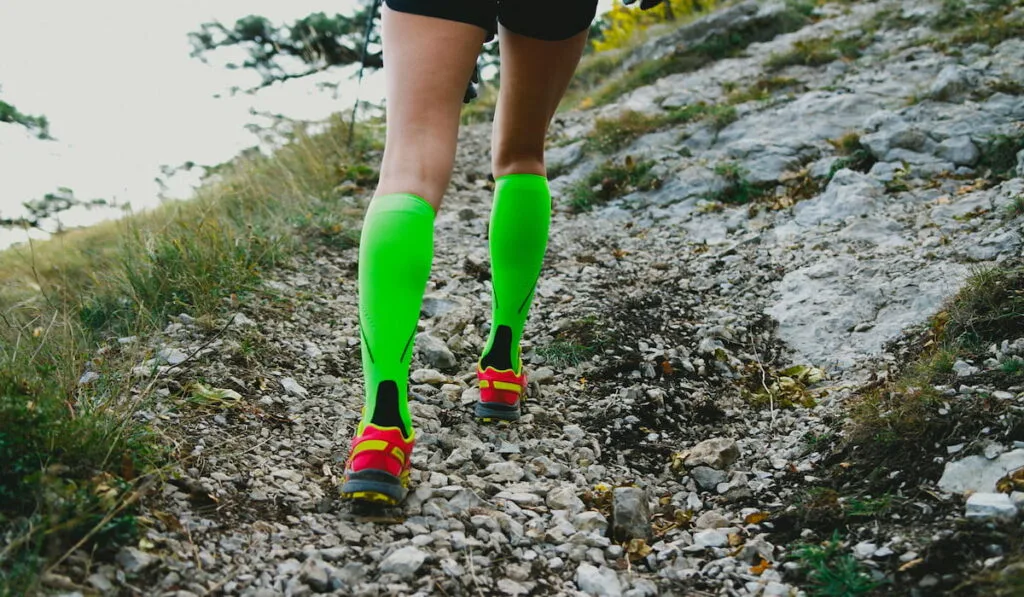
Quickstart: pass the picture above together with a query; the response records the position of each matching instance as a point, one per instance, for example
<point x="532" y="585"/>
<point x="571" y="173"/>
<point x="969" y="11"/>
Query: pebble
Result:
<point x="599" y="582"/>
<point x="404" y="562"/>
<point x="711" y="538"/>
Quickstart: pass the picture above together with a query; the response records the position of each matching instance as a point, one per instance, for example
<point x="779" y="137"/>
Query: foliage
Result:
<point x="761" y="89"/>
<point x="737" y="188"/>
<point x="49" y="206"/>
<point x="317" y="41"/>
<point x="37" y="124"/>
<point x="611" y="180"/>
<point x="76" y="455"/>
<point x="815" y="52"/>
<point x="999" y="155"/>
<point x="831" y="572"/>
<point x="691" y="58"/>
<point x="623" y="23"/>
<point x="900" y="417"/>
<point x="853" y="155"/>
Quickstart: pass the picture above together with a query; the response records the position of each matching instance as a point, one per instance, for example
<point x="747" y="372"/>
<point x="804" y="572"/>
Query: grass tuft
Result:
<point x="853" y="155"/>
<point x="816" y="52"/>
<point x="999" y="155"/>
<point x="737" y="190"/>
<point x="612" y="180"/>
<point x="832" y="572"/>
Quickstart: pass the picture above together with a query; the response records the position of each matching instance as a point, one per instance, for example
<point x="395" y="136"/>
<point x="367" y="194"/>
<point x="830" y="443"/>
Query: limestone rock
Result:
<point x="719" y="453"/>
<point x="631" y="514"/>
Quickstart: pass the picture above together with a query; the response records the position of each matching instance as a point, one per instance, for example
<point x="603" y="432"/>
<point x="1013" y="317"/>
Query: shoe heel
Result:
<point x="374" y="486"/>
<point x="489" y="413"/>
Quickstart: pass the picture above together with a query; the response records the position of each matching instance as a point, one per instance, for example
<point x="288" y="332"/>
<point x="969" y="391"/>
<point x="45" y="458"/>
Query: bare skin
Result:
<point x="534" y="77"/>
<point x="428" y="64"/>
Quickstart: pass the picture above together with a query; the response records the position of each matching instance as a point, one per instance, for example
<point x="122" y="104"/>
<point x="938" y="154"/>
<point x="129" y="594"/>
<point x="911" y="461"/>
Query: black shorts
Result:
<point x="550" y="21"/>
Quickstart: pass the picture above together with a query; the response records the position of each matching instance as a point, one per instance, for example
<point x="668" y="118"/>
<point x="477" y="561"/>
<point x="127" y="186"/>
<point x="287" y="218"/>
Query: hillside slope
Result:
<point x="738" y="251"/>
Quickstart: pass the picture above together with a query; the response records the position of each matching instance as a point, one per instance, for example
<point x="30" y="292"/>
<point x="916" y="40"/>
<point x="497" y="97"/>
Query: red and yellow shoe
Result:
<point x="500" y="393"/>
<point x="378" y="465"/>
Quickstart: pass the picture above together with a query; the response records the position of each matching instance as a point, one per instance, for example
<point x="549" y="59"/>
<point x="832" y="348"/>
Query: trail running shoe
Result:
<point x="378" y="465"/>
<point x="500" y="393"/>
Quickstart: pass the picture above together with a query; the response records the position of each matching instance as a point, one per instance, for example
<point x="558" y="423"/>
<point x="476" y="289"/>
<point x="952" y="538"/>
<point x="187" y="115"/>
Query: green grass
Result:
<point x="816" y="52"/>
<point x="760" y="90"/>
<point x="561" y="354"/>
<point x="829" y="571"/>
<point x="611" y="180"/>
<point x="900" y="417"/>
<point x="1013" y="366"/>
<point x="75" y="457"/>
<point x="737" y="190"/>
<point x="999" y="155"/>
<point x="853" y="155"/>
<point x="577" y="342"/>
<point x="983" y="22"/>
<point x="612" y="134"/>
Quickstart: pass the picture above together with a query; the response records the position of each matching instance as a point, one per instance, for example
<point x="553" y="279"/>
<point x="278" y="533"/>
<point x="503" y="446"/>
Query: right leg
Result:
<point x="428" y="62"/>
<point x="536" y="66"/>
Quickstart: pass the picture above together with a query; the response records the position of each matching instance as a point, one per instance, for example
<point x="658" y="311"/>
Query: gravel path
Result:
<point x="657" y="448"/>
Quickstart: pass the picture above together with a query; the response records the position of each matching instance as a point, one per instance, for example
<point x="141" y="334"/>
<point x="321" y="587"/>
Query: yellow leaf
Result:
<point x="203" y="394"/>
<point x="760" y="567"/>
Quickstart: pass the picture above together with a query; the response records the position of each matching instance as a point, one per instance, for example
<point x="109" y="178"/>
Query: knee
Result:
<point x="422" y="173"/>
<point x="517" y="161"/>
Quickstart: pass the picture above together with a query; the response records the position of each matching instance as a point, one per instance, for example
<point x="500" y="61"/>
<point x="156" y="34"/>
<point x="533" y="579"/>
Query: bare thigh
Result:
<point x="427" y="65"/>
<point x="534" y="77"/>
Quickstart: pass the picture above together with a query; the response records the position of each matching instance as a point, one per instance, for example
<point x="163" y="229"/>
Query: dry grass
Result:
<point x="74" y="455"/>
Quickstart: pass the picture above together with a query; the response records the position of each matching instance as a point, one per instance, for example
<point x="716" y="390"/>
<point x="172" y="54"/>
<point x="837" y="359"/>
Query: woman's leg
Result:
<point x="428" y="63"/>
<point x="534" y="76"/>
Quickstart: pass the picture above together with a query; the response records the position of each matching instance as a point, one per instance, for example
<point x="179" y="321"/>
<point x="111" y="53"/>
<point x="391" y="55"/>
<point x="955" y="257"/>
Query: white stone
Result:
<point x="404" y="562"/>
<point x="711" y="538"/>
<point x="979" y="474"/>
<point x="599" y="582"/>
<point x="292" y="387"/>
<point x="990" y="505"/>
<point x="719" y="453"/>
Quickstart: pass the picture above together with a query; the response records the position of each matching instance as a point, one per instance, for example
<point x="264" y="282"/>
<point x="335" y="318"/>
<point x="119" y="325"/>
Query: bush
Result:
<point x="612" y="180"/>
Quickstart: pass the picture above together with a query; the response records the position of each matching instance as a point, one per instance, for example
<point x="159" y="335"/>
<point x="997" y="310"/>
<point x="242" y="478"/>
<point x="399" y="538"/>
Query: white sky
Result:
<point x="124" y="97"/>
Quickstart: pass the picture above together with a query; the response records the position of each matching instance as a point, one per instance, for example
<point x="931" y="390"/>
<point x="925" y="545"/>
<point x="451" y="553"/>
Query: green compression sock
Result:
<point x="520" y="219"/>
<point x="395" y="253"/>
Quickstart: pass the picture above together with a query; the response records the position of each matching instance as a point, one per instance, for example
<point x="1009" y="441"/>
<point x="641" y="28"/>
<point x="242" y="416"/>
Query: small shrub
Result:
<point x="1013" y="366"/>
<point x="1016" y="207"/>
<point x="831" y="572"/>
<point x="761" y="89"/>
<point x="815" y="52"/>
<point x="738" y="190"/>
<point x="611" y="135"/>
<point x="612" y="180"/>
<point x="853" y="155"/>
<point x="999" y="155"/>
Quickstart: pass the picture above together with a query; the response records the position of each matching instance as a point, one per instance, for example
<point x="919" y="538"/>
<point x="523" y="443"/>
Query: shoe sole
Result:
<point x="374" y="486"/>
<point x="497" y="413"/>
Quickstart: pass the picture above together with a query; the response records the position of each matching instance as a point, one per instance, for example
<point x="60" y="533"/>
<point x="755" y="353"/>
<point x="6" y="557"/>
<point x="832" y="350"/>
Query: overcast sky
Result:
<point x="124" y="97"/>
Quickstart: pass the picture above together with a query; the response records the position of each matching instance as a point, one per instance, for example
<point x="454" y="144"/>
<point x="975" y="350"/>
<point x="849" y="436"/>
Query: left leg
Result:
<point x="538" y="59"/>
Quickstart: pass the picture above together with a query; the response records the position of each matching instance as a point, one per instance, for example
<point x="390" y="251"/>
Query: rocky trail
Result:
<point x="669" y="443"/>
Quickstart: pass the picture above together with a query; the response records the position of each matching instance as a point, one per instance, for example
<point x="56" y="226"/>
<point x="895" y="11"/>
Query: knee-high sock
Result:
<point x="395" y="253"/>
<point x="520" y="218"/>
